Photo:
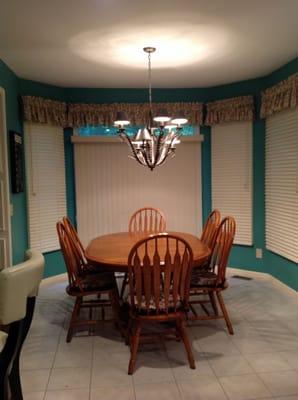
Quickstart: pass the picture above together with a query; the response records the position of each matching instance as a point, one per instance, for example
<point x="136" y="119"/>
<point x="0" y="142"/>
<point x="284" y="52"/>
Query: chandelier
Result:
<point x="152" y="145"/>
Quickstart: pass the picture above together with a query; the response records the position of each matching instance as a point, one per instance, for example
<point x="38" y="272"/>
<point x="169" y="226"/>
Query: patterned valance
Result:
<point x="37" y="109"/>
<point x="230" y="110"/>
<point x="280" y="97"/>
<point x="137" y="113"/>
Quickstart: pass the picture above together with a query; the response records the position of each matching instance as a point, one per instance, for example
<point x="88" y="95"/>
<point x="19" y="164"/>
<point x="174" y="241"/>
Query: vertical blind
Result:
<point x="46" y="191"/>
<point x="231" y="155"/>
<point x="110" y="187"/>
<point x="282" y="184"/>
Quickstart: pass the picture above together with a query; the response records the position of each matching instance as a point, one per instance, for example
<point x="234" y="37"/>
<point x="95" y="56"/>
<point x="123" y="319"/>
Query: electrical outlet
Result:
<point x="259" y="253"/>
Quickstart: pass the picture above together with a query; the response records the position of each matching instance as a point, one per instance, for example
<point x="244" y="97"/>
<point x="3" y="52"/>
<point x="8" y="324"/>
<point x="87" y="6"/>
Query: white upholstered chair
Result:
<point x="18" y="290"/>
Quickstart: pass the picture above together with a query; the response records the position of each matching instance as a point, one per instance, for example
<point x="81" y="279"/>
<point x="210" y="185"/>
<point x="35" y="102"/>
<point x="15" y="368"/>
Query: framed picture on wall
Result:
<point x="16" y="162"/>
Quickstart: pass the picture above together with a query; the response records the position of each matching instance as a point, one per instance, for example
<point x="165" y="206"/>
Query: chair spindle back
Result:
<point x="147" y="219"/>
<point x="77" y="244"/>
<point x="223" y="243"/>
<point x="70" y="257"/>
<point x="209" y="229"/>
<point x="159" y="270"/>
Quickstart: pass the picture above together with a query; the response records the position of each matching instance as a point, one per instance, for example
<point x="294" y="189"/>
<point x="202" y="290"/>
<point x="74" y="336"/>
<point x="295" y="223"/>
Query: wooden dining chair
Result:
<point x="159" y="277"/>
<point x="78" y="248"/>
<point x="82" y="284"/>
<point x="212" y="281"/>
<point x="209" y="229"/>
<point x="146" y="220"/>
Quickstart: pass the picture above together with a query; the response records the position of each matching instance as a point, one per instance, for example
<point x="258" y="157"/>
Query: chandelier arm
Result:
<point x="127" y="138"/>
<point x="159" y="139"/>
<point x="170" y="150"/>
<point x="149" y="163"/>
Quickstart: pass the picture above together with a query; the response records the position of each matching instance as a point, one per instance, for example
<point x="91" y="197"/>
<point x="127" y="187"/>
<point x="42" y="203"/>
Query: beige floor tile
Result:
<point x="113" y="393"/>
<point x="281" y="383"/>
<point x="110" y="368"/>
<point x="268" y="362"/>
<point x="214" y="347"/>
<point x="180" y="365"/>
<point x="77" y="353"/>
<point x="152" y="367"/>
<point x="244" y="387"/>
<point x="69" y="378"/>
<point x="202" y="388"/>
<point x="34" y="395"/>
<point x="230" y="365"/>
<point x="41" y="344"/>
<point x="252" y="345"/>
<point x="71" y="394"/>
<point x="37" y="360"/>
<point x="160" y="391"/>
<point x="35" y="380"/>
<point x="291" y="357"/>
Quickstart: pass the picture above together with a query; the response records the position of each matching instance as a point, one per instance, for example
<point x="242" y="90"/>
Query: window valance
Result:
<point x="37" y="109"/>
<point x="138" y="113"/>
<point x="280" y="97"/>
<point x="45" y="111"/>
<point x="230" y="110"/>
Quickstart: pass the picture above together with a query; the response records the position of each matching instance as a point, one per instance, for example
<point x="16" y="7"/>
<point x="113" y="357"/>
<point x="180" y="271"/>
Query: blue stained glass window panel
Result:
<point x="101" y="130"/>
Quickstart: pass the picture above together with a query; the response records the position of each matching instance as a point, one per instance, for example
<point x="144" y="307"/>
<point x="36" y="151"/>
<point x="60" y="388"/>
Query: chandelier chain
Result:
<point x="150" y="81"/>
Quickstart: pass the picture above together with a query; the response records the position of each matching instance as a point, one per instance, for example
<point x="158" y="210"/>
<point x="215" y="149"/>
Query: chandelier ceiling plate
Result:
<point x="149" y="49"/>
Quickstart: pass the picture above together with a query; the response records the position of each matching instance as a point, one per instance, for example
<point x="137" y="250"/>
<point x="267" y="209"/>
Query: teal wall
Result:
<point x="9" y="82"/>
<point x="242" y="256"/>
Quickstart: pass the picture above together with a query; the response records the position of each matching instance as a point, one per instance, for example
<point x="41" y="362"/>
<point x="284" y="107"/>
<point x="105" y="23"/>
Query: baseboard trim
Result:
<point x="264" y="276"/>
<point x="54" y="279"/>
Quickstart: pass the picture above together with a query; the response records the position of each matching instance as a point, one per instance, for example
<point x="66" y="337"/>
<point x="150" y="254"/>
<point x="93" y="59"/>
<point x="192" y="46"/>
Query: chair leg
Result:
<point x="213" y="302"/>
<point x="135" y="340"/>
<point x="7" y="358"/>
<point x="74" y="317"/>
<point x="14" y="376"/>
<point x="182" y="330"/>
<point x="123" y="286"/>
<point x="225" y="313"/>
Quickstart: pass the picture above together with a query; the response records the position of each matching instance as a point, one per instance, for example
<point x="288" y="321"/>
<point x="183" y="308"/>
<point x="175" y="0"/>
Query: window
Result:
<point x="231" y="155"/>
<point x="102" y="130"/>
<point x="46" y="191"/>
<point x="110" y="187"/>
<point x="282" y="184"/>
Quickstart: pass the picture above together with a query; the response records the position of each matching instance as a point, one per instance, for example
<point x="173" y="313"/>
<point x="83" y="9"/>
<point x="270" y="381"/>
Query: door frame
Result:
<point x="6" y="172"/>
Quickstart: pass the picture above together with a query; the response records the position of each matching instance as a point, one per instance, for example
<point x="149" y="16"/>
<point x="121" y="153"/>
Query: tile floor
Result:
<point x="259" y="362"/>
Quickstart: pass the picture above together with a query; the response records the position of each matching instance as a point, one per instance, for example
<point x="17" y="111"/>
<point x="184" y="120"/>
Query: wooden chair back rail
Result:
<point x="223" y="243"/>
<point x="77" y="246"/>
<point x="70" y="256"/>
<point x="156" y="278"/>
<point x="210" y="227"/>
<point x="147" y="219"/>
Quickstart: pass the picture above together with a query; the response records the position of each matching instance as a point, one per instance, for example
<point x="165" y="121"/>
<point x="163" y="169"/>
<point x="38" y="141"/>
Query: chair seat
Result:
<point x="94" y="282"/>
<point x="203" y="278"/>
<point x="162" y="306"/>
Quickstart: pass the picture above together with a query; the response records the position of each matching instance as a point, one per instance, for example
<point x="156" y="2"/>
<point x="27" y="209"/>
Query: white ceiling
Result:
<point x="98" y="43"/>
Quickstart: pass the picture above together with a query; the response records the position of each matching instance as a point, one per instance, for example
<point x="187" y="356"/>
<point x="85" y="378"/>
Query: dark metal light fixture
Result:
<point x="152" y="145"/>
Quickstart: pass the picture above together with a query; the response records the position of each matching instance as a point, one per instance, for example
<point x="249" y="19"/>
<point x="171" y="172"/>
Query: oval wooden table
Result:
<point x="111" y="251"/>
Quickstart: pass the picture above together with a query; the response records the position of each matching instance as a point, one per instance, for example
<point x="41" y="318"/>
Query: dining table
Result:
<point x="112" y="250"/>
